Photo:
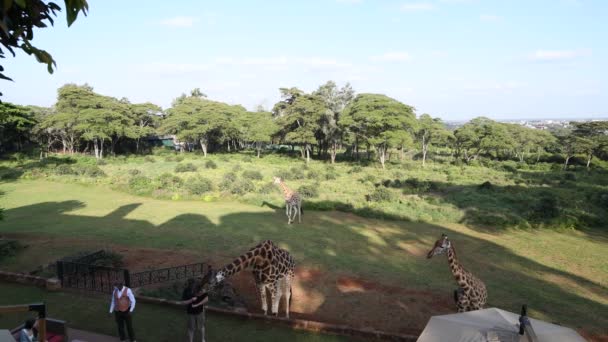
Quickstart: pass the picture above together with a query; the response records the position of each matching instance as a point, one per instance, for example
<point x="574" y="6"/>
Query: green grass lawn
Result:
<point x="562" y="276"/>
<point x="151" y="322"/>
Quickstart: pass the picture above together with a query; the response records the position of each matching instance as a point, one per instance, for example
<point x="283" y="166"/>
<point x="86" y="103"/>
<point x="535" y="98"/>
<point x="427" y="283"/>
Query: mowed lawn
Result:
<point x="151" y="322"/>
<point x="561" y="276"/>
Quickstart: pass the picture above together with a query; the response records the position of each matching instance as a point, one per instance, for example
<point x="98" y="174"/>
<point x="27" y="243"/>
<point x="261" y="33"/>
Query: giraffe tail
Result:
<point x="301" y="211"/>
<point x="290" y="295"/>
<point x="456" y="296"/>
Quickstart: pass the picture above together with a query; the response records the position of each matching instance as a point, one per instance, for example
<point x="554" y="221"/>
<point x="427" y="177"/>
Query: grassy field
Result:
<point x="90" y="313"/>
<point x="561" y="275"/>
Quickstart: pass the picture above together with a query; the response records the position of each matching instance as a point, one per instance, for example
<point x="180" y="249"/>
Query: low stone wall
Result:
<point x="51" y="284"/>
<point x="300" y="324"/>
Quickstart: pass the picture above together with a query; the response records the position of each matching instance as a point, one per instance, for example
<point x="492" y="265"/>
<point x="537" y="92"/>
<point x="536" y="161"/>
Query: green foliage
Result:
<point x="329" y="175"/>
<point x="88" y="170"/>
<point x="10" y="248"/>
<point x="198" y="185"/>
<point x="242" y="186"/>
<point x="108" y="259"/>
<point x="64" y="169"/>
<point x="140" y="185"/>
<point x="313" y="174"/>
<point x="309" y="191"/>
<point x="284" y="174"/>
<point x="237" y="168"/>
<point x="134" y="172"/>
<point x="149" y="159"/>
<point x="296" y="173"/>
<point x="252" y="174"/>
<point x="380" y="194"/>
<point x="169" y="181"/>
<point x="185" y="167"/>
<point x="210" y="164"/>
<point x="269" y="188"/>
<point x="228" y="180"/>
<point x="546" y="208"/>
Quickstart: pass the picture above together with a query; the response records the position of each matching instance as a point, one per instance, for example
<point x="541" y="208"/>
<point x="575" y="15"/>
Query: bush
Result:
<point x="488" y="186"/>
<point x="569" y="176"/>
<point x="330" y="175"/>
<point x="210" y="164"/>
<point x="248" y="159"/>
<point x="149" y="159"/>
<point x="101" y="162"/>
<point x="242" y="187"/>
<point x="64" y="169"/>
<point x="355" y="169"/>
<point x="89" y="170"/>
<point x="380" y="194"/>
<point x="414" y="185"/>
<point x="186" y="167"/>
<point x="140" y="185"/>
<point x="237" y="167"/>
<point x="297" y="173"/>
<point x="169" y="181"/>
<point x="253" y="175"/>
<point x="10" y="248"/>
<point x="545" y="209"/>
<point x="198" y="185"/>
<point x="267" y="188"/>
<point x="108" y="259"/>
<point x="228" y="180"/>
<point x="134" y="172"/>
<point x="284" y="174"/>
<point x="368" y="178"/>
<point x="313" y="174"/>
<point x="309" y="191"/>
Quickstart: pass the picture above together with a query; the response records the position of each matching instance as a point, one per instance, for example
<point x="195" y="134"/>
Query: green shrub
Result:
<point x="248" y="159"/>
<point x="253" y="175"/>
<point x="108" y="259"/>
<point x="313" y="174"/>
<point x="210" y="164"/>
<point x="330" y="175"/>
<point x="242" y="186"/>
<point x="140" y="185"/>
<point x="169" y="181"/>
<point x="185" y="167"/>
<point x="237" y="167"/>
<point x="178" y="158"/>
<point x="89" y="170"/>
<point x="297" y="173"/>
<point x="10" y="248"/>
<point x="228" y="180"/>
<point x="64" y="169"/>
<point x="488" y="186"/>
<point x="416" y="186"/>
<point x="546" y="208"/>
<point x="134" y="172"/>
<point x="284" y="174"/>
<point x="355" y="169"/>
<point x="149" y="159"/>
<point x="380" y="194"/>
<point x="368" y="178"/>
<point x="570" y="176"/>
<point x="198" y="185"/>
<point x="309" y="191"/>
<point x="101" y="162"/>
<point x="267" y="188"/>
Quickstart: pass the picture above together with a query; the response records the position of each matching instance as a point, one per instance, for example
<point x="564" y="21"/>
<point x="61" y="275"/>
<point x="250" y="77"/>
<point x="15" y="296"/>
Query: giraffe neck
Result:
<point x="286" y="191"/>
<point x="243" y="262"/>
<point x="457" y="269"/>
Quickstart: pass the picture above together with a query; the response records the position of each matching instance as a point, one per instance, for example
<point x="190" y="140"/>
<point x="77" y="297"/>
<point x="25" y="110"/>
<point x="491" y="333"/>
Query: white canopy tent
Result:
<point x="491" y="325"/>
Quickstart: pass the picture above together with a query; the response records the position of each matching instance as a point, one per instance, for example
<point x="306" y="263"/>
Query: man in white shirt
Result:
<point x="123" y="304"/>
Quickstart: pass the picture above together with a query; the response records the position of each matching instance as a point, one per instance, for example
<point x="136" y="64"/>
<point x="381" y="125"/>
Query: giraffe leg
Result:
<point x="274" y="300"/>
<point x="294" y="211"/>
<point x="287" y="290"/>
<point x="299" y="212"/>
<point x="262" y="289"/>
<point x="288" y="212"/>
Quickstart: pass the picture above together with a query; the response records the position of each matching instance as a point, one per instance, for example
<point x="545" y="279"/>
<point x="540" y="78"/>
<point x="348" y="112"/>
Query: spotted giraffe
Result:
<point x="293" y="202"/>
<point x="273" y="271"/>
<point x="471" y="293"/>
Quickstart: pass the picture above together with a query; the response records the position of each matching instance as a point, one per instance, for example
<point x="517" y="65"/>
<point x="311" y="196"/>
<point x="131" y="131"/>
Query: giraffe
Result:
<point x="273" y="270"/>
<point x="471" y="293"/>
<point x="293" y="202"/>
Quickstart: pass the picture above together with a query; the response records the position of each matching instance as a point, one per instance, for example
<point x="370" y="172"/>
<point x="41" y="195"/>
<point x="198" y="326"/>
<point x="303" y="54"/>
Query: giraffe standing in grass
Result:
<point x="293" y="202"/>
<point x="273" y="270"/>
<point x="471" y="293"/>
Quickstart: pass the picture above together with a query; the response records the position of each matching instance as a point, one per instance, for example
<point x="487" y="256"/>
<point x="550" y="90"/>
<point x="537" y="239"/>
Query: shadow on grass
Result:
<point x="340" y="245"/>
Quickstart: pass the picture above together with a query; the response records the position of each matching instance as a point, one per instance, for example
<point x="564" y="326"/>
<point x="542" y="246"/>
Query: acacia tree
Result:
<point x="380" y="121"/>
<point x="481" y="135"/>
<point x="16" y="123"/>
<point x="258" y="128"/>
<point x="146" y="117"/>
<point x="335" y="101"/>
<point x="18" y="19"/>
<point x="596" y="132"/>
<point x="430" y="131"/>
<point x="300" y="121"/>
<point x="44" y="134"/>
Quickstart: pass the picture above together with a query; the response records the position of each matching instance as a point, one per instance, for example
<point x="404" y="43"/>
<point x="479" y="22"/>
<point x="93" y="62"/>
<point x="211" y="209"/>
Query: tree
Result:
<point x="430" y="131"/>
<point x="44" y="135"/>
<point x="258" y="128"/>
<point x="570" y="145"/>
<point x="288" y="96"/>
<point x="481" y="135"/>
<point x="380" y="121"/>
<point x="16" y="123"/>
<point x="335" y="101"/>
<point x="146" y="117"/>
<point x="596" y="132"/>
<point x="300" y="122"/>
<point x="17" y="22"/>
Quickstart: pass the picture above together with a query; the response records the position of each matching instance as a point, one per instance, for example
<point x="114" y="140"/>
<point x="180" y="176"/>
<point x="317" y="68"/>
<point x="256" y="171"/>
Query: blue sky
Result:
<point x="455" y="59"/>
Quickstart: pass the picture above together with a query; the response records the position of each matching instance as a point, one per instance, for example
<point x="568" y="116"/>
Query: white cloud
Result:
<point x="392" y="57"/>
<point x="558" y="55"/>
<point x="171" y="68"/>
<point x="180" y="21"/>
<point x="349" y="1"/>
<point x="417" y="6"/>
<point x="490" y="18"/>
<point x="282" y="62"/>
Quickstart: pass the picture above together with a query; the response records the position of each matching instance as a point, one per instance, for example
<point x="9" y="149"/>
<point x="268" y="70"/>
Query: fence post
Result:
<point x="127" y="277"/>
<point x="60" y="271"/>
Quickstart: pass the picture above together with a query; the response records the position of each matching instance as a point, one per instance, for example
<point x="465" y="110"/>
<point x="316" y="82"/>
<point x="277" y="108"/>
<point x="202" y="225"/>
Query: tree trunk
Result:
<point x="258" y="146"/>
<point x="566" y="163"/>
<point x="96" y="148"/>
<point x="307" y="153"/>
<point x="101" y="148"/>
<point x="589" y="160"/>
<point x="228" y="145"/>
<point x="333" y="152"/>
<point x="203" y="147"/>
<point x="382" y="155"/>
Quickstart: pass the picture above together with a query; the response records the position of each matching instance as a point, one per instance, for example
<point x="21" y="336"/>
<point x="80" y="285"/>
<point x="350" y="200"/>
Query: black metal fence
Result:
<point x="167" y="274"/>
<point x="90" y="277"/>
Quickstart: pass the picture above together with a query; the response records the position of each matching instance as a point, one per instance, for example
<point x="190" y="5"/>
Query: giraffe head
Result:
<point x="441" y="246"/>
<point x="276" y="180"/>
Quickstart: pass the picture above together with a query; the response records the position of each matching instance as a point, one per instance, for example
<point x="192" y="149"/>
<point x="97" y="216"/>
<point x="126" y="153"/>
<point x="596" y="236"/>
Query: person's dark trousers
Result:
<point x="122" y="319"/>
